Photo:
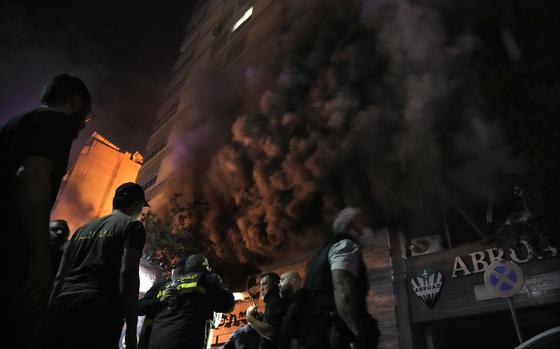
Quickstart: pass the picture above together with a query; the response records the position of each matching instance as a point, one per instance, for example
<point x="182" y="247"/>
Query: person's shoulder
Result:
<point x="135" y="225"/>
<point x="122" y="218"/>
<point x="94" y="222"/>
<point x="124" y="223"/>
<point x="16" y="120"/>
<point x="345" y="255"/>
<point x="45" y="116"/>
<point x="344" y="249"/>
<point x="212" y="279"/>
<point x="59" y="121"/>
<point x="33" y="118"/>
<point x="46" y="120"/>
<point x="344" y="244"/>
<point x="87" y="227"/>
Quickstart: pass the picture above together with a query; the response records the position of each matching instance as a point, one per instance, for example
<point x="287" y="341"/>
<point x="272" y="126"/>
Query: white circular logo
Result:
<point x="503" y="278"/>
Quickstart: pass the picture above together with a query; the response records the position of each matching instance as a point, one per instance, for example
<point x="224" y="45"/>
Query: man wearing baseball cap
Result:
<point x="96" y="287"/>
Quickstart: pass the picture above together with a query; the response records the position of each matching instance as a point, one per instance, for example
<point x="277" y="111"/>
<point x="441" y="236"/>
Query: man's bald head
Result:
<point x="289" y="283"/>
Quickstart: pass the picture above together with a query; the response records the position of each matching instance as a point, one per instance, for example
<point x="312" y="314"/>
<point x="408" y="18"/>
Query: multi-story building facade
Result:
<point x="218" y="34"/>
<point x="87" y="191"/>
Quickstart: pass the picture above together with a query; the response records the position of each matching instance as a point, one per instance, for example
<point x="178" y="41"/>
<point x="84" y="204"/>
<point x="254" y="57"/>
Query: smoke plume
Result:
<point x="371" y="103"/>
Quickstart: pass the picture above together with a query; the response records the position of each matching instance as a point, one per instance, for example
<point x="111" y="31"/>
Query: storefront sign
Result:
<point x="466" y="295"/>
<point x="477" y="261"/>
<point x="427" y="285"/>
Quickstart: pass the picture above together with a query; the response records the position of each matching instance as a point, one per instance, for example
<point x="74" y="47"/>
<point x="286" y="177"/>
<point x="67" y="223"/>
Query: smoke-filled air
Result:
<point x="378" y="104"/>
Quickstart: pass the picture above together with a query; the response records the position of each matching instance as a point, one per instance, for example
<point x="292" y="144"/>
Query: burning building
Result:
<point x="281" y="113"/>
<point x="219" y="34"/>
<point x="88" y="188"/>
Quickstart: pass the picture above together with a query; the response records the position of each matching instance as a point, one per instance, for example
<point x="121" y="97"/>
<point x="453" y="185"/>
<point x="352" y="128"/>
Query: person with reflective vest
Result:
<point x="178" y="310"/>
<point x="331" y="306"/>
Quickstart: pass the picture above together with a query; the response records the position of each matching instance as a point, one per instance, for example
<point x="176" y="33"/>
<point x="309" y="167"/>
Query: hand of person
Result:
<point x="168" y="296"/>
<point x="253" y="309"/>
<point x="38" y="286"/>
<point x="254" y="312"/>
<point x="250" y="314"/>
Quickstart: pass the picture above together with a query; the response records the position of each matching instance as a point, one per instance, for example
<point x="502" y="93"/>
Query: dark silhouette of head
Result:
<point x="59" y="231"/>
<point x="268" y="282"/>
<point x="70" y="95"/>
<point x="129" y="198"/>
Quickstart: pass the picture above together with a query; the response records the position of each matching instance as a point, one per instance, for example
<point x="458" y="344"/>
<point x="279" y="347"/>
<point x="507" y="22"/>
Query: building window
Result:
<point x="235" y="50"/>
<point x="198" y="16"/>
<point x="189" y="43"/>
<point x="243" y="19"/>
<point x="226" y="18"/>
<point x="228" y="11"/>
<point x="156" y="149"/>
<point x="186" y="59"/>
<point x="176" y="85"/>
<point x="241" y="3"/>
<point x="166" y="116"/>
<point x="150" y="183"/>
<point x="219" y="43"/>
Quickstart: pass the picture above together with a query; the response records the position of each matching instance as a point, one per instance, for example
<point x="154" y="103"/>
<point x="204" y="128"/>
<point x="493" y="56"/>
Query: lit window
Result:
<point x="243" y="19"/>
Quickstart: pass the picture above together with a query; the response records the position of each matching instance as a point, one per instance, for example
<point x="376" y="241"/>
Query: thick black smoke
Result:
<point x="372" y="103"/>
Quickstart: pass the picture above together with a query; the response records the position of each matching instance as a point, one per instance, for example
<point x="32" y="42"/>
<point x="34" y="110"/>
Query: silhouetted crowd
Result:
<point x="79" y="293"/>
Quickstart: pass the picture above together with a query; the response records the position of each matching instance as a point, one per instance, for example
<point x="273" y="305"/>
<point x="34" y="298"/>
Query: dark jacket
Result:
<point x="183" y="325"/>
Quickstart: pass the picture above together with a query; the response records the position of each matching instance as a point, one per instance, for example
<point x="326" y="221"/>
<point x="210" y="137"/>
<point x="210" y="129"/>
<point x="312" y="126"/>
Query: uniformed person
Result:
<point x="331" y="307"/>
<point x="178" y="310"/>
<point x="96" y="286"/>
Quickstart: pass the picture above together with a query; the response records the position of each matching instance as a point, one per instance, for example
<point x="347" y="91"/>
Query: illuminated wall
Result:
<point x="87" y="191"/>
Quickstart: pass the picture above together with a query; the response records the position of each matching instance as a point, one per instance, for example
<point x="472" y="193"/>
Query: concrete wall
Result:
<point x="88" y="190"/>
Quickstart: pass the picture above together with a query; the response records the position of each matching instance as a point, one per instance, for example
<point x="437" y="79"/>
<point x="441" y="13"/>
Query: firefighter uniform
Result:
<point x="183" y="323"/>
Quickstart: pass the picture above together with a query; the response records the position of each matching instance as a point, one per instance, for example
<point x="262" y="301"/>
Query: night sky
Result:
<point x="123" y="50"/>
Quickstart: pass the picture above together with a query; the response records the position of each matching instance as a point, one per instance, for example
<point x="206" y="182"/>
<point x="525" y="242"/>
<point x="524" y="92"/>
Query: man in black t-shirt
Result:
<point x="97" y="283"/>
<point x="177" y="311"/>
<point x="34" y="148"/>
